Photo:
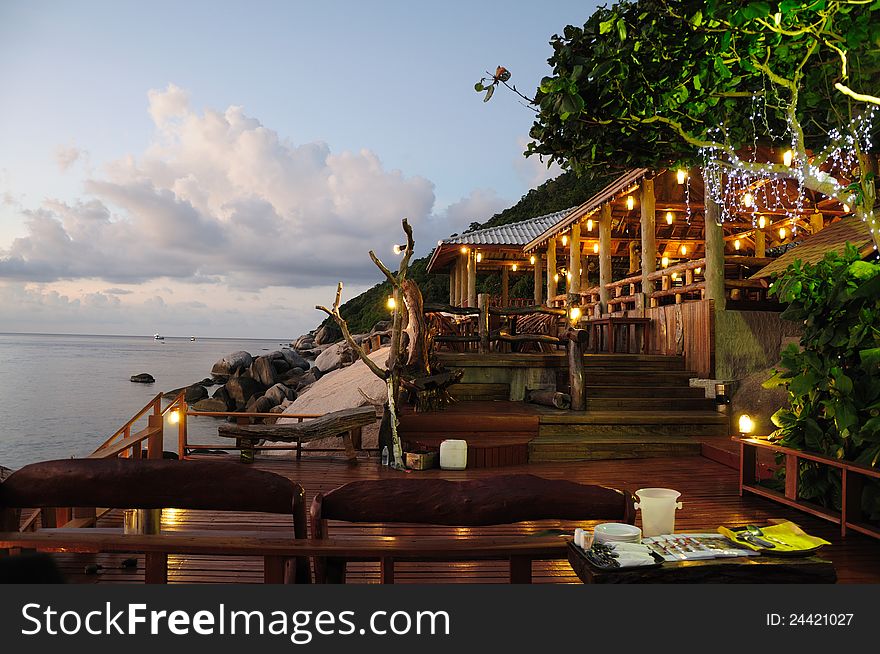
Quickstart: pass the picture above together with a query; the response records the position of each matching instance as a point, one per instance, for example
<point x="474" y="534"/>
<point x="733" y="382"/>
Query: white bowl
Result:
<point x="620" y="532"/>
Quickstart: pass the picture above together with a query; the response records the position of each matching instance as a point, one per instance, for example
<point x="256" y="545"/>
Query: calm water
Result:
<point x="63" y="395"/>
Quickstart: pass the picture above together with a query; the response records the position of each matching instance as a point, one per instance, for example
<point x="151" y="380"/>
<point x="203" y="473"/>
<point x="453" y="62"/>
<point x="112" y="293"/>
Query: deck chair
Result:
<point x="496" y="500"/>
<point x="154" y="484"/>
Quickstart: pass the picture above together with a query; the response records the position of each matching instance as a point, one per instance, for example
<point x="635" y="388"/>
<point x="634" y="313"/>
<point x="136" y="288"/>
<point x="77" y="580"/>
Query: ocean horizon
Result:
<point x="65" y="394"/>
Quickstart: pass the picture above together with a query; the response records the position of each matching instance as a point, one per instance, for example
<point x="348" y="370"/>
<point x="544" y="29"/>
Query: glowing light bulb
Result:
<point x="762" y="222"/>
<point x="669" y="218"/>
<point x="595" y="248"/>
<point x="684" y="250"/>
<point x="782" y="232"/>
<point x="736" y="244"/>
<point x="846" y="208"/>
<point x="564" y="240"/>
<point x="748" y="200"/>
<point x="590" y="225"/>
<point x="681" y="175"/>
<point x="532" y="259"/>
<point x="787" y="156"/>
<point x="574" y="314"/>
<point x="479" y="257"/>
<point x="556" y="277"/>
<point x="674" y="276"/>
<point x="630" y="202"/>
<point x="397" y="249"/>
<point x="568" y="275"/>
<point x="391" y="303"/>
<point x="664" y="261"/>
<point x="174" y="417"/>
<point x="513" y="267"/>
<point x="697" y="271"/>
<point x="746" y="424"/>
<point x="464" y="250"/>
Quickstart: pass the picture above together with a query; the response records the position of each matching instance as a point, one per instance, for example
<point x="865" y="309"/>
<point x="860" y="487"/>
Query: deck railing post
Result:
<point x="181" y="427"/>
<point x="155" y="440"/>
<point x="577" y="339"/>
<point x="483" y="304"/>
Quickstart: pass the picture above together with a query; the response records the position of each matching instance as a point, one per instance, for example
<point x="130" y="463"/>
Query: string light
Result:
<point x="736" y="245"/>
<point x="630" y="202"/>
<point x="669" y="218"/>
<point x="595" y="248"/>
<point x="681" y="175"/>
<point x="590" y="225"/>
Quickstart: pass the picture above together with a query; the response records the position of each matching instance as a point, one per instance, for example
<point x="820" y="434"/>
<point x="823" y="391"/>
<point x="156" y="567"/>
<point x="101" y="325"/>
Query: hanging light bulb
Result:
<point x="391" y="303"/>
<point x="532" y="259"/>
<point x="590" y="225"/>
<point x="684" y="250"/>
<point x="762" y="222"/>
<point x="556" y="277"/>
<point x="782" y="232"/>
<point x="464" y="250"/>
<point x="697" y="271"/>
<point x="397" y="249"/>
<point x="630" y="202"/>
<point x="681" y="175"/>
<point x="664" y="261"/>
<point x="736" y="245"/>
<point x="748" y="200"/>
<point x="669" y="218"/>
<point x="787" y="156"/>
<point x="513" y="267"/>
<point x="479" y="257"/>
<point x="845" y="207"/>
<point x="674" y="276"/>
<point x="595" y="248"/>
<point x="568" y="275"/>
<point x="564" y="240"/>
<point x="574" y="314"/>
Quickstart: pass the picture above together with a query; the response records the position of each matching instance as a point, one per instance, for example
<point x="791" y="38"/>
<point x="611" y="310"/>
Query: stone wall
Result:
<point x="750" y="341"/>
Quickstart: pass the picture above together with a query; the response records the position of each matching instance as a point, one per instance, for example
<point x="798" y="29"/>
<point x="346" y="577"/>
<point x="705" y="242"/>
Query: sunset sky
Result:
<point x="214" y="169"/>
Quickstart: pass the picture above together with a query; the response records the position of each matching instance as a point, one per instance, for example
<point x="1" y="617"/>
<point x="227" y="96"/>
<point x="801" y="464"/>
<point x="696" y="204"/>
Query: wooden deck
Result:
<point x="709" y="492"/>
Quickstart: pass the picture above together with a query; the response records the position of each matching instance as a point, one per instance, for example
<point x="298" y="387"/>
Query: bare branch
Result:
<point x="383" y="268"/>
<point x="346" y="334"/>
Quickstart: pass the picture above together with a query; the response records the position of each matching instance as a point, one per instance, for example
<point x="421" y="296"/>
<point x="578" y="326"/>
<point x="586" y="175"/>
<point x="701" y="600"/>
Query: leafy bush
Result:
<point x="833" y="380"/>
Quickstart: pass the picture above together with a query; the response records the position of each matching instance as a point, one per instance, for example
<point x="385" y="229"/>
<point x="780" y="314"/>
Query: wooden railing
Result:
<point x="685" y="281"/>
<point x="625" y="293"/>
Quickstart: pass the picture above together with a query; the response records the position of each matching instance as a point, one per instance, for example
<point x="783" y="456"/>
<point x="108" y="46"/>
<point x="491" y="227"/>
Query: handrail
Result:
<point x="635" y="279"/>
<point x="137" y="416"/>
<point x="677" y="268"/>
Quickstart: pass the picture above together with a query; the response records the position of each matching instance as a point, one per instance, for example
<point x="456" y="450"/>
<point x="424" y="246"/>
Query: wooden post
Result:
<point x="483" y="304"/>
<point x="453" y="282"/>
<point x="760" y="243"/>
<point x="538" y="282"/>
<point x="505" y="285"/>
<point x="182" y="429"/>
<point x="462" y="279"/>
<point x="574" y="264"/>
<point x="551" y="270"/>
<point x="634" y="263"/>
<point x="472" y="279"/>
<point x="817" y="222"/>
<point x="576" y="376"/>
<point x="649" y="240"/>
<point x="714" y="236"/>
<point x="605" y="255"/>
<point x="154" y="442"/>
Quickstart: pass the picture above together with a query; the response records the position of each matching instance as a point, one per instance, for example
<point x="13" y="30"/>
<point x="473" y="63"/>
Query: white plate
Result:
<point x="617" y="532"/>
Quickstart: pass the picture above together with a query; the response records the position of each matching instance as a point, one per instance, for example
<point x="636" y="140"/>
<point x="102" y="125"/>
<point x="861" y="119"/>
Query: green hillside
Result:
<point x="567" y="190"/>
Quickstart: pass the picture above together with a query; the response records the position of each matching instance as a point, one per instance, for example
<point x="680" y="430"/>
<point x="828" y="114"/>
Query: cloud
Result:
<point x="66" y="156"/>
<point x="532" y="170"/>
<point x="217" y="197"/>
<point x="117" y="291"/>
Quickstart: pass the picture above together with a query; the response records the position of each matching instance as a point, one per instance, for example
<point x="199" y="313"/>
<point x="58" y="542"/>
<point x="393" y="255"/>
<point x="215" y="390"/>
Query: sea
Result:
<point x="62" y="395"/>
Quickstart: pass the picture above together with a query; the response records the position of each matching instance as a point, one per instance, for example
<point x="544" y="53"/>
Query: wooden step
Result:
<point x="647" y="403"/>
<point x="480" y="391"/>
<point x="557" y="417"/>
<point x="638" y="378"/>
<point x="559" y="359"/>
<point x="650" y="391"/>
<point x="543" y="450"/>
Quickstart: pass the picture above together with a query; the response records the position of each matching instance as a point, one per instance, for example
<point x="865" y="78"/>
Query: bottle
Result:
<point x="385" y="456"/>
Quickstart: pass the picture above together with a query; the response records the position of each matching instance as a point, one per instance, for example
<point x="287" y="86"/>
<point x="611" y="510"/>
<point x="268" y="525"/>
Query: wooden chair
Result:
<point x="496" y="500"/>
<point x="151" y="484"/>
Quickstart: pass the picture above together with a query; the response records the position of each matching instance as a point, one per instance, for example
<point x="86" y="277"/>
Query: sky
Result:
<point x="215" y="168"/>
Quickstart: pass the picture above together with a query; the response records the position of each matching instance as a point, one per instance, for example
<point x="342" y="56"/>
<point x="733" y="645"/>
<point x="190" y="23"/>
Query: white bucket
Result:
<point x="658" y="507"/>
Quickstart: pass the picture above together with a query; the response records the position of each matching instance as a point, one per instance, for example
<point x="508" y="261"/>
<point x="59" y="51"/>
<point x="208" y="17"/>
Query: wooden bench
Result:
<point x="497" y="500"/>
<point x="56" y="486"/>
<point x="347" y="424"/>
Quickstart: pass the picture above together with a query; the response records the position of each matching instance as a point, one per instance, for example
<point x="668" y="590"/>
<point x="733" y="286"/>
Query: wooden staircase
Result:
<point x="637" y="406"/>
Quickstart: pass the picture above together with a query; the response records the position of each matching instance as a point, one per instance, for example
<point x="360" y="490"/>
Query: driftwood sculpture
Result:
<point x="409" y="362"/>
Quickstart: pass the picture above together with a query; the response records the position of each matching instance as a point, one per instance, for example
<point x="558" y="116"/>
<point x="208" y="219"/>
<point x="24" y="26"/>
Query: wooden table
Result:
<point x="602" y="331"/>
<point x="740" y="570"/>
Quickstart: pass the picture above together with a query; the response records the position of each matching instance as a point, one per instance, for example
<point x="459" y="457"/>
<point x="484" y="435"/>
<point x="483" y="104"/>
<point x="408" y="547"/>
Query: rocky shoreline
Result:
<point x="269" y="383"/>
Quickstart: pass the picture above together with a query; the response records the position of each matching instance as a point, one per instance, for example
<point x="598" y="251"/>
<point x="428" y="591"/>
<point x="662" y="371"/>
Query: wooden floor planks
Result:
<point x="709" y="493"/>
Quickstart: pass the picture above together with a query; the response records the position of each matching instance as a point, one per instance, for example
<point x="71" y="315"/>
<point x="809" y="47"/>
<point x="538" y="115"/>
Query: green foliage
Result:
<point x="833" y="380"/>
<point x="645" y="83"/>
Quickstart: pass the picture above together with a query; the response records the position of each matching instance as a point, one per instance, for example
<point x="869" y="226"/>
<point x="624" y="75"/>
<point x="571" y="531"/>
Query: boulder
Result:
<point x="263" y="371"/>
<point x="210" y="404"/>
<point x="208" y="381"/>
<point x="232" y="362"/>
<point x="294" y="359"/>
<point x="281" y="366"/>
<point x="143" y="378"/>
<point x="4" y="473"/>
<point x="275" y="409"/>
<point x="242" y="389"/>
<point x="328" y="333"/>
<point x="335" y="356"/>
<point x="222" y="395"/>
<point x="279" y="392"/>
<point x="260" y="404"/>
<point x="381" y="326"/>
<point x="291" y="377"/>
<point x="195" y="393"/>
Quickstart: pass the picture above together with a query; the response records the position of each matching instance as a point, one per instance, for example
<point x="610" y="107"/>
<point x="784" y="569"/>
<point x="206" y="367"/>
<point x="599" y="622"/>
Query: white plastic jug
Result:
<point x="658" y="507"/>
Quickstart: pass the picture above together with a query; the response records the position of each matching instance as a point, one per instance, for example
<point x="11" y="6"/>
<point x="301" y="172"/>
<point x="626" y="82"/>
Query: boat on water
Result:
<point x="158" y="337"/>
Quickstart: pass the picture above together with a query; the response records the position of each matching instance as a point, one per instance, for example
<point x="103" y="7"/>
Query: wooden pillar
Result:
<point x="472" y="279"/>
<point x="453" y="282"/>
<point x="817" y="222"/>
<point x="551" y="270"/>
<point x="634" y="263"/>
<point x="505" y="285"/>
<point x="714" y="236"/>
<point x="649" y="240"/>
<point x="604" y="254"/>
<point x="577" y="339"/>
<point x="574" y="264"/>
<point x="462" y="278"/>
<point x="760" y="243"/>
<point x="539" y="290"/>
<point x="483" y="304"/>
